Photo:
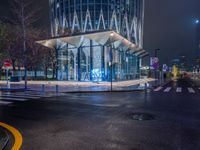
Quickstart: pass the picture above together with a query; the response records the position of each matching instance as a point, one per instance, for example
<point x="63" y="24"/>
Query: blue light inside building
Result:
<point x="94" y="34"/>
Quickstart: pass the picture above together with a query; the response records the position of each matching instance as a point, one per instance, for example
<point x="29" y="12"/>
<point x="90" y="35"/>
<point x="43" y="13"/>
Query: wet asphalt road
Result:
<point x="104" y="121"/>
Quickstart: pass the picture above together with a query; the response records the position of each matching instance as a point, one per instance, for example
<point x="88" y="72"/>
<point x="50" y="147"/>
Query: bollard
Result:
<point x="8" y="85"/>
<point x="56" y="88"/>
<point x="43" y="88"/>
<point x="145" y="86"/>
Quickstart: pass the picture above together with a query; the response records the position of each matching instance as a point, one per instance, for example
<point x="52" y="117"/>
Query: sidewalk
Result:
<point x="67" y="86"/>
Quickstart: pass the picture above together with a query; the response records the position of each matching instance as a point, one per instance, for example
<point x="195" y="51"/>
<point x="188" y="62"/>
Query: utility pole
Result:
<point x="156" y="69"/>
<point x="149" y="75"/>
<point x="111" y="61"/>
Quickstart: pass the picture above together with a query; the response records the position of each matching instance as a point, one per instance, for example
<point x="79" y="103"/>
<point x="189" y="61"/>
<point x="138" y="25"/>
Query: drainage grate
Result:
<point x="142" y="116"/>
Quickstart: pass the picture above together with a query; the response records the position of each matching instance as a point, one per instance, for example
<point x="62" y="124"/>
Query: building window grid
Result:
<point x="107" y="6"/>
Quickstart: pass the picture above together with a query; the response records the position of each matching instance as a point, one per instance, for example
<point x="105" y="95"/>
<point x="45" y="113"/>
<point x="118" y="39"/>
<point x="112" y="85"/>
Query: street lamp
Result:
<point x="197" y="21"/>
<point x="111" y="60"/>
<point x="197" y="24"/>
<point x="156" y="69"/>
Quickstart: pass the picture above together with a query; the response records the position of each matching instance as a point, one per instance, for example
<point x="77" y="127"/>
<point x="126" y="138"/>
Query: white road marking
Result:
<point x="35" y="94"/>
<point x="179" y="90"/>
<point x="191" y="90"/>
<point x="13" y="99"/>
<point x="167" y="89"/>
<point x="23" y="96"/>
<point x="32" y="95"/>
<point x="19" y="94"/>
<point x="104" y="105"/>
<point x="28" y="95"/>
<point x="158" y="89"/>
<point x="5" y="103"/>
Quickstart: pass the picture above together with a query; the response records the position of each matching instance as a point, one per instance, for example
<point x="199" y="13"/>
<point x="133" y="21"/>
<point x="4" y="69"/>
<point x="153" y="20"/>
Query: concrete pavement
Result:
<point x="105" y="121"/>
<point x="67" y="86"/>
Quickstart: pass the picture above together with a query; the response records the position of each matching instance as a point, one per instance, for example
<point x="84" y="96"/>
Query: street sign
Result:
<point x="7" y="63"/>
<point x="154" y="63"/>
<point x="165" y="68"/>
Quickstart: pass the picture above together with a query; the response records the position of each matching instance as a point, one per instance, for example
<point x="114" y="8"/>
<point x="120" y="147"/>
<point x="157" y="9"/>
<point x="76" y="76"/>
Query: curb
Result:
<point x="114" y="91"/>
<point x="15" y="133"/>
<point x="108" y="92"/>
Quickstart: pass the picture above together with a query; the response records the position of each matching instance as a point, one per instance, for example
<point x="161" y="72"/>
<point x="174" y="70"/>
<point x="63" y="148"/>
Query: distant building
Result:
<point x="181" y="62"/>
<point x="89" y="35"/>
<point x="175" y="62"/>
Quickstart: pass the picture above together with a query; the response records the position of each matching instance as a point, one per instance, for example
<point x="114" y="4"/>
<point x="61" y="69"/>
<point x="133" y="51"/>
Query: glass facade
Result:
<point x="88" y="59"/>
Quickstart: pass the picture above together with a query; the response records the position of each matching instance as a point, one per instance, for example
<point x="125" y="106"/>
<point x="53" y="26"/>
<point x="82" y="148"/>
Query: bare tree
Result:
<point x="3" y="34"/>
<point x="50" y="61"/>
<point x="13" y="45"/>
<point x="37" y="53"/>
<point x="24" y="15"/>
<point x="3" y="52"/>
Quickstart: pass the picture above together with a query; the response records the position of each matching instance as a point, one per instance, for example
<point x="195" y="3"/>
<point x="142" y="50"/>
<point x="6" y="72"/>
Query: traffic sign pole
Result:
<point x="7" y="77"/>
<point x="7" y="64"/>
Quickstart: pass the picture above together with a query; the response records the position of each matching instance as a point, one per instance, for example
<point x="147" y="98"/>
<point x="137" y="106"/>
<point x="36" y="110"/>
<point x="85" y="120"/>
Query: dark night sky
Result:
<point x="169" y="25"/>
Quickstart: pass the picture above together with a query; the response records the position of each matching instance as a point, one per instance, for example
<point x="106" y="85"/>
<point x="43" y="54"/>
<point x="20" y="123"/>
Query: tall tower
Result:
<point x="97" y="40"/>
<point x="124" y="16"/>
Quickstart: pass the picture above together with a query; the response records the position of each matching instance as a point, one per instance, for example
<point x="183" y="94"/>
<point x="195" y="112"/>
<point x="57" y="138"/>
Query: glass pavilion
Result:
<point x="97" y="40"/>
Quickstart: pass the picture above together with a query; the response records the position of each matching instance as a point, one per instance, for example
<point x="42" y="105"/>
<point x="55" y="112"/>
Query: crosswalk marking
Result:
<point x="13" y="99"/>
<point x="34" y="94"/>
<point x="179" y="90"/>
<point x="20" y="94"/>
<point x="191" y="90"/>
<point x="158" y="89"/>
<point x="5" y="103"/>
<point x="167" y="89"/>
<point x="23" y="96"/>
<point x="7" y="98"/>
<point x="29" y="95"/>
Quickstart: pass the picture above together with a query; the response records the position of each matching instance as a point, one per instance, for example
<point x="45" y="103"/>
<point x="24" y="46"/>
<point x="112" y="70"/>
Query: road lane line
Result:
<point x="167" y="89"/>
<point x="179" y="90"/>
<point x="158" y="89"/>
<point x="29" y="97"/>
<point x="13" y="99"/>
<point x="5" y="103"/>
<point x="104" y="105"/>
<point x="17" y="135"/>
<point x="20" y="95"/>
<point x="191" y="90"/>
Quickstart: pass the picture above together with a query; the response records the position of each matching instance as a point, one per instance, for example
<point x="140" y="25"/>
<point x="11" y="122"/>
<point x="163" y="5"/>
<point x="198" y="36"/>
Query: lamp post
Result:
<point x="111" y="61"/>
<point x="156" y="69"/>
<point x="149" y="74"/>
<point x="197" y="41"/>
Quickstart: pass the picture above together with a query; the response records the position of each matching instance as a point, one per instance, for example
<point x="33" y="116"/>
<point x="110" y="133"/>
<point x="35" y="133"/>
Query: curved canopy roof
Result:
<point x="101" y="37"/>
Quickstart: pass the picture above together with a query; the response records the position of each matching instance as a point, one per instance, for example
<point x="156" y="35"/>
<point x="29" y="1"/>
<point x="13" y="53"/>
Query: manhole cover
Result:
<point x="142" y="116"/>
